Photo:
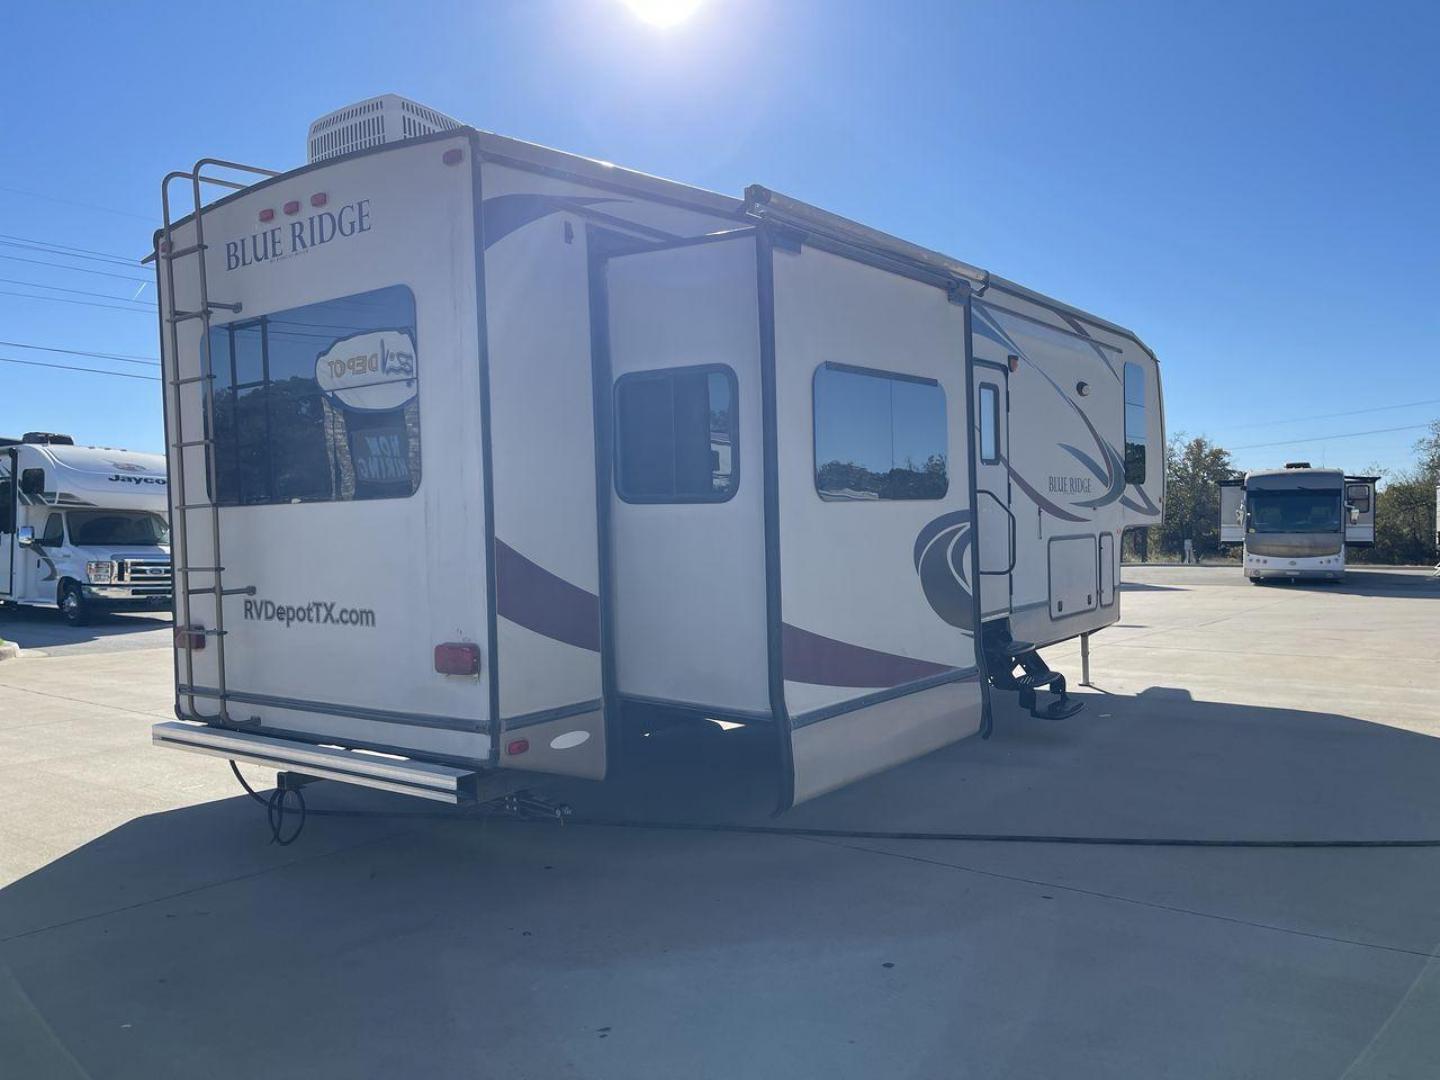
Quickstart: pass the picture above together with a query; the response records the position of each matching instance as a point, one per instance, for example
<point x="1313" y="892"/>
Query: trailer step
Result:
<point x="1003" y="654"/>
<point x="426" y="780"/>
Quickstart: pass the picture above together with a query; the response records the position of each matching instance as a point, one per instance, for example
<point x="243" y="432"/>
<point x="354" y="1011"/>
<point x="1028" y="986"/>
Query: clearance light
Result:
<point x="190" y="637"/>
<point x="319" y="199"/>
<point x="1014" y="362"/>
<point x="453" y="156"/>
<point x="517" y="746"/>
<point x="293" y="206"/>
<point x="268" y="214"/>
<point x="457" y="658"/>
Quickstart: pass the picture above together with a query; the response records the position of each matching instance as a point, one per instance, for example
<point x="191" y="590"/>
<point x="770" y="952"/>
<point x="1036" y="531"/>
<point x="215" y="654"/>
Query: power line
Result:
<point x="77" y="269"/>
<point x="1330" y="416"/>
<point x="129" y="358"/>
<point x="83" y="303"/>
<point x="1327" y="438"/>
<point x="90" y="254"/>
<point x="89" y="370"/>
<point x="76" y="202"/>
<point x="77" y="292"/>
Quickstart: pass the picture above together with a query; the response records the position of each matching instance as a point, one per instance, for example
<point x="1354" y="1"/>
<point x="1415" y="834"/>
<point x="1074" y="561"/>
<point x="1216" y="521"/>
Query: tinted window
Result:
<point x="676" y="435"/>
<point x="878" y="435"/>
<point x="319" y="403"/>
<point x="7" y="505"/>
<point x="112" y="527"/>
<point x="989" y="424"/>
<point x="1135" y="425"/>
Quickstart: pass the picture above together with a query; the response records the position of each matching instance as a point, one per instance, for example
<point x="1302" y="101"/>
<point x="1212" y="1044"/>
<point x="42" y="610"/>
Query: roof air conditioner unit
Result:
<point x="385" y="119"/>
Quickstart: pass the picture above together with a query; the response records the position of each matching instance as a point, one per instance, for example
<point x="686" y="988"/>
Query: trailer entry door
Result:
<point x="995" y="530"/>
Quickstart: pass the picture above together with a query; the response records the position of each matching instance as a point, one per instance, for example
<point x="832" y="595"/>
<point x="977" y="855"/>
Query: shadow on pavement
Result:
<point x="184" y="944"/>
<point x="1405" y="584"/>
<point x="42" y="627"/>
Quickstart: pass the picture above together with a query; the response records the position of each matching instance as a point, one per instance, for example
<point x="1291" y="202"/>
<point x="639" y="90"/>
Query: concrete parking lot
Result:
<point x="148" y="928"/>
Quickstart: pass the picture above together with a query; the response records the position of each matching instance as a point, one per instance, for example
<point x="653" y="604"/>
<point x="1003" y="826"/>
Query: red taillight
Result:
<point x="457" y="658"/>
<point x="517" y="746"/>
<point x="319" y="199"/>
<point x="293" y="206"/>
<point x="453" y="156"/>
<point x="191" y="637"/>
<point x="267" y="214"/>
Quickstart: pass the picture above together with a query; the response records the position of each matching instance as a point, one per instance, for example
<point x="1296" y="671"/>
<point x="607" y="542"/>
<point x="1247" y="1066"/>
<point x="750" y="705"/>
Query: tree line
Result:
<point x="1194" y="467"/>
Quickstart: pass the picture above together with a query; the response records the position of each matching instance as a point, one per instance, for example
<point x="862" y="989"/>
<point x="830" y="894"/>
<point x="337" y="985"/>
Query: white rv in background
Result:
<point x="1295" y="522"/>
<point x="82" y="528"/>
<point x="483" y="451"/>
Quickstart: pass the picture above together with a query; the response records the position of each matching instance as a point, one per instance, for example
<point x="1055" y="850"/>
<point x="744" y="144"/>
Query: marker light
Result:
<point x="293" y="206"/>
<point x="1014" y="362"/>
<point x="319" y="199"/>
<point x="453" y="156"/>
<point x="457" y="658"/>
<point x="268" y="214"/>
<point x="517" y="746"/>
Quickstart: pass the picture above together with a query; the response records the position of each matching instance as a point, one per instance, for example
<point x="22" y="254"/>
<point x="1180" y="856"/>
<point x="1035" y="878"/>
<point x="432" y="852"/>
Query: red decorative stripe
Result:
<point x="814" y="658"/>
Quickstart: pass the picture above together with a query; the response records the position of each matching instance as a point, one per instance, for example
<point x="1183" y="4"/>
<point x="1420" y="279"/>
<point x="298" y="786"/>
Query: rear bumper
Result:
<point x="404" y="776"/>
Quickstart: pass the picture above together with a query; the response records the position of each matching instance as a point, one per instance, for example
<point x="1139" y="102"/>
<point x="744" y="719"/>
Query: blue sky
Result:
<point x="1251" y="187"/>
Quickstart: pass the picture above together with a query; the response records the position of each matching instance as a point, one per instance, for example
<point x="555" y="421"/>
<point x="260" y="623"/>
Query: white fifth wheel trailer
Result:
<point x="82" y="528"/>
<point x="1295" y="522"/>
<point x="482" y="451"/>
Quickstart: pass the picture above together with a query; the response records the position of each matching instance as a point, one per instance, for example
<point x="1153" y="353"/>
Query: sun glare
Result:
<point x="663" y="12"/>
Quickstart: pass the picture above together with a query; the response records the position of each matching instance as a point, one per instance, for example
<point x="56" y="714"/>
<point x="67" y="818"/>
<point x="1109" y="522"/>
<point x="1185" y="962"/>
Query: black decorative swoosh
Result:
<point x="942" y="561"/>
<point x="501" y="215"/>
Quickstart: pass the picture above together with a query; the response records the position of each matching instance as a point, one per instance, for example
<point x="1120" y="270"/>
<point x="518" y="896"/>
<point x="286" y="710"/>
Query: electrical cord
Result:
<point x="276" y="812"/>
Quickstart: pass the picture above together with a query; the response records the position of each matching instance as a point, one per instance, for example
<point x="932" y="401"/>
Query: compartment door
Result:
<point x="1360" y="510"/>
<point x="1232" y="512"/>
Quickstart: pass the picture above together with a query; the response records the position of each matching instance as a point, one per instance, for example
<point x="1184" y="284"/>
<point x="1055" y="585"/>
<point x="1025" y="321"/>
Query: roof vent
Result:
<point x="46" y="438"/>
<point x="1297" y="464"/>
<point x="385" y="119"/>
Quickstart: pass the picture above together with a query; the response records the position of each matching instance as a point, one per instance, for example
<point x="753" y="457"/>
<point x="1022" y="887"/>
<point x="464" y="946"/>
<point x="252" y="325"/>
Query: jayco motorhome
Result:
<point x="82" y="528"/>
<point x="1295" y="522"/>
<point x="481" y="451"/>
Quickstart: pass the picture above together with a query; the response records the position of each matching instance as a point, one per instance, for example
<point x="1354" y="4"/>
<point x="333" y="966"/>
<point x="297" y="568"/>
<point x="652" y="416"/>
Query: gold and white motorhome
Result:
<point x="1296" y="522"/>
<point x="481" y="451"/>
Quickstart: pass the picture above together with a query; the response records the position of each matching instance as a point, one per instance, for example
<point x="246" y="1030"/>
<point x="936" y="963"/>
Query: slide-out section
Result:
<point x="875" y="520"/>
<point x="687" y="498"/>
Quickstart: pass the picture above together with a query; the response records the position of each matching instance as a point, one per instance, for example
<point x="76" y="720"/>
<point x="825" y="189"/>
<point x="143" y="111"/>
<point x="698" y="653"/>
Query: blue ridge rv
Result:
<point x="528" y="449"/>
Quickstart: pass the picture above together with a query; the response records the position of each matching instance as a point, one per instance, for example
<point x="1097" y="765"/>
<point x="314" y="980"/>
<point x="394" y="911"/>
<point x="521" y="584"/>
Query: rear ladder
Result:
<point x="186" y="631"/>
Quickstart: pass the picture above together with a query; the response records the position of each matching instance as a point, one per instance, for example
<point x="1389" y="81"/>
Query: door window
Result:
<point x="989" y="424"/>
<point x="54" y="534"/>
